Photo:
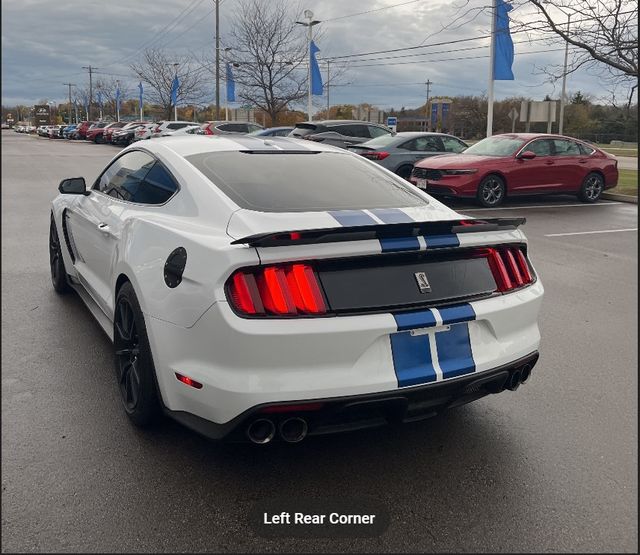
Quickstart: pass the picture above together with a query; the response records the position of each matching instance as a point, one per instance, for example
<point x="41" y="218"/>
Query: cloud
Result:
<point x="45" y="44"/>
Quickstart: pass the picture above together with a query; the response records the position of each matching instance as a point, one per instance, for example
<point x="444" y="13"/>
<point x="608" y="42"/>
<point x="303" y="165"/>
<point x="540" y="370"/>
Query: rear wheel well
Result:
<point x="122" y="279"/>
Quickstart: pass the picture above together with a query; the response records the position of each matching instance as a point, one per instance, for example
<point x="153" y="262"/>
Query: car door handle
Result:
<point x="583" y="161"/>
<point x="104" y="228"/>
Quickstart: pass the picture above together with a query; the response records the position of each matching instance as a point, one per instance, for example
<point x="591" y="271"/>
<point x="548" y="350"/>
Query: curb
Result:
<point x="620" y="198"/>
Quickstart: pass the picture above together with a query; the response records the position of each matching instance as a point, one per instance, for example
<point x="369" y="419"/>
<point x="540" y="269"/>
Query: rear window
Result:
<point x="307" y="182"/>
<point x="382" y="141"/>
<point x="301" y="131"/>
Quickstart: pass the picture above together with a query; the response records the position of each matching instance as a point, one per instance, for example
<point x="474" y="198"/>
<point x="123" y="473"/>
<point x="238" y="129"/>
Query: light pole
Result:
<point x="175" y="106"/>
<point x="309" y="25"/>
<point x="564" y="80"/>
<point x="226" y="96"/>
<point x="117" y="101"/>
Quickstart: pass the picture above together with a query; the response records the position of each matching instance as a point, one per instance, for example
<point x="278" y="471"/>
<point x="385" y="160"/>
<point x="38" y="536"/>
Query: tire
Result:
<point x="404" y="171"/>
<point x="491" y="191"/>
<point x="99" y="139"/>
<point x="134" y="367"/>
<point x="56" y="262"/>
<point x="591" y="188"/>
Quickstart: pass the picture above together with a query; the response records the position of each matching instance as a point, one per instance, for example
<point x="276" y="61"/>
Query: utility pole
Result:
<point x="217" y="2"/>
<point x="90" y="69"/>
<point x="69" y="85"/>
<point x="428" y="114"/>
<point x="564" y="80"/>
<point x="328" y="104"/>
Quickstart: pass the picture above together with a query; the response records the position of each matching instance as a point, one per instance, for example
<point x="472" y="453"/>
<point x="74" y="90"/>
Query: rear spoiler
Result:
<point x="377" y="231"/>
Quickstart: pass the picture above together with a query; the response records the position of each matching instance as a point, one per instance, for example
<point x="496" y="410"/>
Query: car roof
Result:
<point x="185" y="145"/>
<point x="529" y="136"/>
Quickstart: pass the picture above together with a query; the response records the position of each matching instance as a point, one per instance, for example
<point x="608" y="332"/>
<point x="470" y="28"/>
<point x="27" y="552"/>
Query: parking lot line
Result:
<point x="590" y="232"/>
<point x="541" y="206"/>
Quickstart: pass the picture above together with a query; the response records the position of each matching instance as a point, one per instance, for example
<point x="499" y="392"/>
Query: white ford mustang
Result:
<point x="273" y="288"/>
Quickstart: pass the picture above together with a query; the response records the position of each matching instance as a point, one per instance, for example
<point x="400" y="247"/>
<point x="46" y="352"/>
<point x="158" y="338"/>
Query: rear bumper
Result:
<point x="357" y="412"/>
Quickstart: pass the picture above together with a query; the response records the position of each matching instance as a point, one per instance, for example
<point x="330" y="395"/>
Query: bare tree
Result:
<point x="268" y="50"/>
<point x="603" y="32"/>
<point x="157" y="70"/>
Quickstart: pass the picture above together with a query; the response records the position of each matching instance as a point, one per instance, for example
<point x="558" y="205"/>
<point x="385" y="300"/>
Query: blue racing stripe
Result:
<point x="352" y="217"/>
<point x="412" y="359"/>
<point x="391" y="215"/>
<point x="454" y="351"/>
<point x="415" y="320"/>
<point x="458" y="313"/>
<point x="439" y="241"/>
<point x="400" y="244"/>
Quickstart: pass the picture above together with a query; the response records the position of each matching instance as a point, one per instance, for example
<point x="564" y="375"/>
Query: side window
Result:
<point x="158" y="186"/>
<point x="377" y="131"/>
<point x="566" y="148"/>
<point x="352" y="130"/>
<point x="176" y="125"/>
<point x="451" y="144"/>
<point x="541" y="147"/>
<point x="122" y="178"/>
<point x="424" y="144"/>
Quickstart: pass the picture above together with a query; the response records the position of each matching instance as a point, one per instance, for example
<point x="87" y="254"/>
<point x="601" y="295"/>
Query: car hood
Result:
<point x="457" y="161"/>
<point x="245" y="222"/>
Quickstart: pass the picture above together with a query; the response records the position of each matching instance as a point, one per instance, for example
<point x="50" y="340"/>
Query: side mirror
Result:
<point x="73" y="186"/>
<point x="527" y="155"/>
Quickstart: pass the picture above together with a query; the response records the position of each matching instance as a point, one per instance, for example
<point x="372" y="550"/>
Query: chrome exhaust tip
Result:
<point x="261" y="431"/>
<point x="293" y="430"/>
<point x="525" y="373"/>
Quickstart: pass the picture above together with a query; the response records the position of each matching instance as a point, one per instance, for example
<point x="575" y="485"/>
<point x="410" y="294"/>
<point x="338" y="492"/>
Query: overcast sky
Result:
<point x="45" y="43"/>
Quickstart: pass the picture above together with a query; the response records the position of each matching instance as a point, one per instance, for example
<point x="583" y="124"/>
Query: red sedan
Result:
<point x="519" y="164"/>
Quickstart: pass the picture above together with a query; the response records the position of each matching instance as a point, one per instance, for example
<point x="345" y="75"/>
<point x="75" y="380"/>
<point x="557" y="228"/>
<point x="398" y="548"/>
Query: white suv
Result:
<point x="169" y="126"/>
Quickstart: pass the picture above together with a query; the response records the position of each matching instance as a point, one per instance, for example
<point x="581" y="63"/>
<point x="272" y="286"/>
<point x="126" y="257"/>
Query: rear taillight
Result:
<point x="279" y="290"/>
<point x="509" y="267"/>
<point x="375" y="155"/>
<point x="208" y="131"/>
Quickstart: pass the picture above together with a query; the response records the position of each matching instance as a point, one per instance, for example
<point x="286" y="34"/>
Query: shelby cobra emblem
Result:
<point x="423" y="282"/>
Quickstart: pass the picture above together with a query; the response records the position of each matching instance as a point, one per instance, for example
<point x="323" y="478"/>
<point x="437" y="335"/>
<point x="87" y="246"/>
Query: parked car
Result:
<point x="109" y="130"/>
<point x="519" y="164"/>
<point x="194" y="129"/>
<point x="144" y="131"/>
<point x="125" y="135"/>
<point x="401" y="151"/>
<point x="68" y="130"/>
<point x="95" y="133"/>
<point x="225" y="127"/>
<point x="168" y="125"/>
<point x="55" y="131"/>
<point x="340" y="133"/>
<point x="242" y="300"/>
<point x="272" y="132"/>
<point x="43" y="130"/>
<point x="80" y="132"/>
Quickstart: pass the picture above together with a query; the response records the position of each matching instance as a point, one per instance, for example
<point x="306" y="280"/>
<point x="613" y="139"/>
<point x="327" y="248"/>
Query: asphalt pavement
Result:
<point x="550" y="467"/>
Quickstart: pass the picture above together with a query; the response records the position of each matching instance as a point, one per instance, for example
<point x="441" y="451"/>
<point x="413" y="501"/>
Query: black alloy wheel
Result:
<point x="133" y="361"/>
<point x="56" y="263"/>
<point x="491" y="191"/>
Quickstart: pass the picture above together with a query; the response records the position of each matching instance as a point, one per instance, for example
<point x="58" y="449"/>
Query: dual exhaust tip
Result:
<point x="291" y="430"/>
<point x="517" y="377"/>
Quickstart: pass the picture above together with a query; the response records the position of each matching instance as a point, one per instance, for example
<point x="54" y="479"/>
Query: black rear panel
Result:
<point x="391" y="281"/>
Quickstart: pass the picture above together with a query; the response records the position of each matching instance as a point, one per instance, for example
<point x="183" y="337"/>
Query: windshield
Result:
<point x="303" y="182"/>
<point x="495" y="146"/>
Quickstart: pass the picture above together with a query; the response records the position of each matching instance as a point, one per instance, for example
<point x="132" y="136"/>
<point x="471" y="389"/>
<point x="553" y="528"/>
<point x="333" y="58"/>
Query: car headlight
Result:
<point x="459" y="172"/>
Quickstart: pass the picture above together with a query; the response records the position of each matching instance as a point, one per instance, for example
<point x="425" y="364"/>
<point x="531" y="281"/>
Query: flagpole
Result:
<point x="492" y="51"/>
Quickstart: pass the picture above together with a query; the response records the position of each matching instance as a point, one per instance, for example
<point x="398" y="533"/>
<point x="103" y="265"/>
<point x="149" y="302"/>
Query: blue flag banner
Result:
<point x="503" y="52"/>
<point x="174" y="90"/>
<point x="434" y="115"/>
<point x="140" y="89"/>
<point x="445" y="113"/>
<point x="118" y="99"/>
<point x="100" y="98"/>
<point x="231" y="85"/>
<point x="316" y="76"/>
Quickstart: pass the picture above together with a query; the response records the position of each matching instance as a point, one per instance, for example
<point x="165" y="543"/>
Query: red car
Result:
<point x="96" y="131"/>
<point x="81" y="131"/>
<point x="108" y="131"/>
<point x="519" y="164"/>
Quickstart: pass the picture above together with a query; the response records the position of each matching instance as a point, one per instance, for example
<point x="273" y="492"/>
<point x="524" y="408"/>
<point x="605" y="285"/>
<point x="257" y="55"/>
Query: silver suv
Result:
<point x="339" y="132"/>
